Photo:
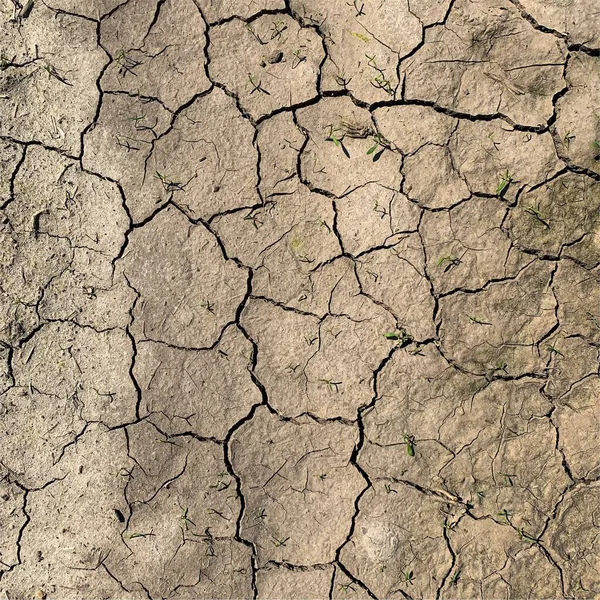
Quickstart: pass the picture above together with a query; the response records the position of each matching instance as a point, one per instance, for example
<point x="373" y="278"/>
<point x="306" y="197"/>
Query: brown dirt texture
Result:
<point x="299" y="299"/>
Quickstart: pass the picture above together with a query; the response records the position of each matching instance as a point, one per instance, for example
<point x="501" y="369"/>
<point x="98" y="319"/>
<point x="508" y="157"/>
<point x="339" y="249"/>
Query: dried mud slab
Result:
<point x="560" y="218"/>
<point x="395" y="278"/>
<point x="398" y="545"/>
<point x="294" y="584"/>
<point x="179" y="532"/>
<point x="464" y="439"/>
<point x="72" y="524"/>
<point x="577" y="421"/>
<point x="497" y="329"/>
<point x="50" y="64"/>
<point x="215" y="377"/>
<point x="298" y="484"/>
<point x="573" y="538"/>
<point x="493" y="561"/>
<point x="373" y="216"/>
<point x="485" y="61"/>
<point x="60" y="234"/>
<point x="577" y="126"/>
<point x="181" y="291"/>
<point x="578" y="297"/>
<point x="270" y="64"/>
<point x="364" y="42"/>
<point x="335" y="158"/>
<point x="466" y="246"/>
<point x="153" y="63"/>
<point x="285" y="243"/>
<point x="322" y="366"/>
<point x="578" y="20"/>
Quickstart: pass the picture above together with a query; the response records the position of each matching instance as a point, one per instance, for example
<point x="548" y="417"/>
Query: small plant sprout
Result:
<point x="168" y="184"/>
<point x="568" y="138"/>
<point x="338" y="141"/>
<point x="382" y="212"/>
<point x="277" y="28"/>
<point x="253" y="218"/>
<point x="505" y="181"/>
<point x="378" y="147"/>
<point x="409" y="442"/>
<point x="537" y="214"/>
<point x="526" y="537"/>
<point x="208" y="306"/>
<point x="347" y="587"/>
<point x="299" y="58"/>
<point x="477" y="321"/>
<point x="278" y="543"/>
<point x="310" y="340"/>
<point x="323" y="476"/>
<point x="455" y="577"/>
<point x="126" y="64"/>
<point x="53" y="72"/>
<point x="408" y="577"/>
<point x="380" y="81"/>
<point x="505" y="515"/>
<point x="334" y="386"/>
<point x="186" y="520"/>
<point x="250" y="30"/>
<point x="358" y="6"/>
<point x="256" y="87"/>
<point x="342" y="80"/>
<point x="399" y="336"/>
<point x="554" y="350"/>
<point x="133" y="536"/>
<point x="593" y="319"/>
<point x="261" y="514"/>
<point x="448" y="262"/>
<point x="389" y="489"/>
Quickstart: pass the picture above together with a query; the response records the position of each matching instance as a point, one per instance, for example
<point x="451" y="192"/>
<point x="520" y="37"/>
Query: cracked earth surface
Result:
<point x="299" y="299"/>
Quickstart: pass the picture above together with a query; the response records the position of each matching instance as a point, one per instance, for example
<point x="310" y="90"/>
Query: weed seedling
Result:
<point x="554" y="350"/>
<point x="250" y="30"/>
<point x="477" y="321"/>
<point x="380" y="81"/>
<point x="168" y="185"/>
<point x="450" y="259"/>
<point x="256" y="87"/>
<point x="332" y="137"/>
<point x="568" y="138"/>
<point x="208" y="306"/>
<point x="408" y="577"/>
<point x="52" y="72"/>
<point x="133" y="536"/>
<point x="358" y="7"/>
<point x="455" y="577"/>
<point x="535" y="212"/>
<point x="504" y="514"/>
<point x="186" y="520"/>
<point x="345" y="587"/>
<point x="389" y="489"/>
<point x="298" y="59"/>
<point x="505" y="181"/>
<point x="279" y="543"/>
<point x="593" y="319"/>
<point x="378" y="147"/>
<point x="277" y="28"/>
<point x="126" y="64"/>
<point x="332" y="385"/>
<point x="526" y="537"/>
<point x="409" y="442"/>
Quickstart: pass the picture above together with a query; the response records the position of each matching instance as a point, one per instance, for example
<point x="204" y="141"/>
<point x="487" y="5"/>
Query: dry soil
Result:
<point x="299" y="299"/>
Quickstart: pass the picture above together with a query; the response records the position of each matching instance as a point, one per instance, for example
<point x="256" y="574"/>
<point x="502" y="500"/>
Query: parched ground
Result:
<point x="299" y="299"/>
